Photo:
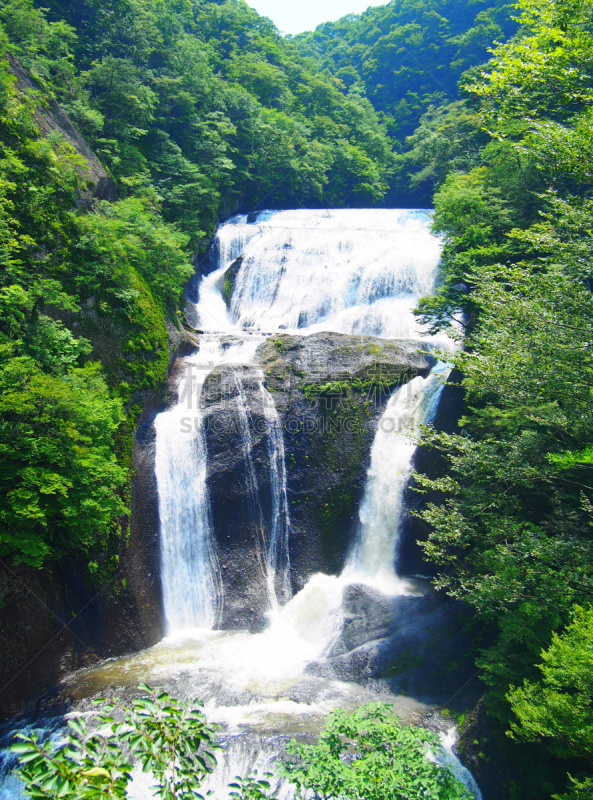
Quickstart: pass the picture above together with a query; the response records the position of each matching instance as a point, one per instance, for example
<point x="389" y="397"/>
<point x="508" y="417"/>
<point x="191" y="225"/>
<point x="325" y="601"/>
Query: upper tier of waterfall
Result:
<point x="354" y="271"/>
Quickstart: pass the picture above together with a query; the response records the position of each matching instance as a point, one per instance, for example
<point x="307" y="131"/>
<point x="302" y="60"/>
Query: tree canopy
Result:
<point x="511" y="517"/>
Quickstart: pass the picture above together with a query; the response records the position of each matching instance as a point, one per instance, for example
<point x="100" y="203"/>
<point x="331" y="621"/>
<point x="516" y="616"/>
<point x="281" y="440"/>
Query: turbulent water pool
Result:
<point x="348" y="271"/>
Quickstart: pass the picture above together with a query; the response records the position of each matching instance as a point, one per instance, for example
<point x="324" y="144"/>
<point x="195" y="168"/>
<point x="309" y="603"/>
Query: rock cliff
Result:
<point x="51" y="117"/>
<point x="329" y="391"/>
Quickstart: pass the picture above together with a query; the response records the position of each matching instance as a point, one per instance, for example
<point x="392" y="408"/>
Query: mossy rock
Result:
<point x="230" y="279"/>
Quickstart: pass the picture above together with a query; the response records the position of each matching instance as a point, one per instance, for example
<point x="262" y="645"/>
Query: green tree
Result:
<point x="60" y="477"/>
<point x="557" y="709"/>
<point x="369" y="753"/>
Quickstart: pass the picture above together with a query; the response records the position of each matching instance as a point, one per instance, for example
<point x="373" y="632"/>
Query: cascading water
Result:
<point x="278" y="558"/>
<point x="347" y="271"/>
<point x="189" y="569"/>
<point x="188" y="557"/>
<point x="351" y="271"/>
<point x="374" y="553"/>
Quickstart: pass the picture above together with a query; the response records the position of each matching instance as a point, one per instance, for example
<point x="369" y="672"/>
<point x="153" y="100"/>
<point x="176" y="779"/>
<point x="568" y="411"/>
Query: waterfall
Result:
<point x="189" y="569"/>
<point x="350" y="271"/>
<point x="374" y="553"/>
<point x="278" y="558"/>
<point x="346" y="271"/>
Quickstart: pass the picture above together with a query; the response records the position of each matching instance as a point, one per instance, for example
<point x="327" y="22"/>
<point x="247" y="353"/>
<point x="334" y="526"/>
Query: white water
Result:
<point x="374" y="553"/>
<point x="189" y="567"/>
<point x="347" y="271"/>
<point x="351" y="271"/>
<point x="447" y="758"/>
<point x="278" y="557"/>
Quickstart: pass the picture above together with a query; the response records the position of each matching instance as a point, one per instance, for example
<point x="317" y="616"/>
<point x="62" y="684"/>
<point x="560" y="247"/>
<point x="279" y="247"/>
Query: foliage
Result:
<point x="78" y="286"/>
<point x="448" y="139"/>
<point x="195" y="108"/>
<point x="214" y="109"/>
<point x="407" y="55"/>
<point x="59" y="483"/>
<point x="510" y="520"/>
<point x="169" y="738"/>
<point x="369" y="753"/>
<point x="252" y="787"/>
<point x="556" y="710"/>
<point x="538" y="91"/>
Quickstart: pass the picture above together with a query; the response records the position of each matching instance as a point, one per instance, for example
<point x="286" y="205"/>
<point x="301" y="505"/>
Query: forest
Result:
<point x="198" y="109"/>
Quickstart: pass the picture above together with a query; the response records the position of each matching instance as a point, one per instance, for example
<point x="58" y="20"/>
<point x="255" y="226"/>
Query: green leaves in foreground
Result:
<point x="367" y="754"/>
<point x="169" y="738"/>
<point x="370" y="754"/>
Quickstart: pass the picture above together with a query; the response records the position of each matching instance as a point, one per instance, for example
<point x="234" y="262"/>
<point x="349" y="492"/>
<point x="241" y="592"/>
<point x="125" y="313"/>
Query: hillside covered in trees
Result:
<point x="407" y="57"/>
<point x="195" y="111"/>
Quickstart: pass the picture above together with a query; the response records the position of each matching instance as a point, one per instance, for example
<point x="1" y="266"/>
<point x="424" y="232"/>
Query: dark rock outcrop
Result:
<point x="416" y="645"/>
<point x="329" y="391"/>
<point x="230" y="278"/>
<point x="55" y="621"/>
<point x="240" y="491"/>
<point x="50" y="117"/>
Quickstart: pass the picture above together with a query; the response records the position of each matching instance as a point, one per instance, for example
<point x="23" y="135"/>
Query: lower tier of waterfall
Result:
<point x="192" y="590"/>
<point x="373" y="557"/>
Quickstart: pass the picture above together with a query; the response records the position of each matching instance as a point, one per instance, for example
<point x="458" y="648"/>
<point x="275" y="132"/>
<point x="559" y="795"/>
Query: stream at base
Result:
<point x="352" y="272"/>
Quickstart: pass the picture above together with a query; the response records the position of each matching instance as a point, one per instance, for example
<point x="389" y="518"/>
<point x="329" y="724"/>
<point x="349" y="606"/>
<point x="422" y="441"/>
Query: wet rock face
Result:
<point x="415" y="645"/>
<point x="240" y="491"/>
<point x="329" y="391"/>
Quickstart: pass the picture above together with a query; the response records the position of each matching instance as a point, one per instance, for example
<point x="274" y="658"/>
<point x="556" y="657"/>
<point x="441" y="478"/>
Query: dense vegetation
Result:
<point x="196" y="110"/>
<point x="407" y="57"/>
<point x="174" y="741"/>
<point x="513" y="533"/>
<point x="199" y="108"/>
